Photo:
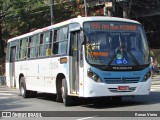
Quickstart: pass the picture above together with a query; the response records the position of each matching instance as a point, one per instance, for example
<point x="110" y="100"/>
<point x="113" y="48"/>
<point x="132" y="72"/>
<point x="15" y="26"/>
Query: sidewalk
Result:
<point x="6" y="88"/>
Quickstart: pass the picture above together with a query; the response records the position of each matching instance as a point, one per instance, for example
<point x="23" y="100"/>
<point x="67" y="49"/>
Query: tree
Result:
<point x="23" y="16"/>
<point x="1" y="42"/>
<point x="18" y="17"/>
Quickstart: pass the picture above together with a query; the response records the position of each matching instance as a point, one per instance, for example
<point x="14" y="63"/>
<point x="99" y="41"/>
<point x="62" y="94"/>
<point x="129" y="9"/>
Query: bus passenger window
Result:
<point x="33" y="46"/>
<point x="49" y="46"/>
<point x="29" y="44"/>
<point x="48" y="51"/>
<point x="41" y="47"/>
<point x="47" y="38"/>
<point x="55" y="48"/>
<point x="55" y="44"/>
<point x="23" y="49"/>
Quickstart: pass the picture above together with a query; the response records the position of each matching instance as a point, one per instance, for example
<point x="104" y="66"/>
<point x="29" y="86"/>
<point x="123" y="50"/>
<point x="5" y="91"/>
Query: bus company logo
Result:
<point x="123" y="79"/>
<point x="6" y="114"/>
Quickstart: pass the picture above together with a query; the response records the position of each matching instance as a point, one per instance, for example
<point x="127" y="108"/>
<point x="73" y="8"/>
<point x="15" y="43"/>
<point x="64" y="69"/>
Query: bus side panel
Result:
<point x="34" y="80"/>
<point x="45" y="74"/>
<point x="20" y="68"/>
<point x="41" y="74"/>
<point x="58" y="67"/>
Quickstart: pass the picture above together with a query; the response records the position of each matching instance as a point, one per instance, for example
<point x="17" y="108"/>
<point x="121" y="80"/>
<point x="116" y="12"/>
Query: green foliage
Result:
<point x="22" y="16"/>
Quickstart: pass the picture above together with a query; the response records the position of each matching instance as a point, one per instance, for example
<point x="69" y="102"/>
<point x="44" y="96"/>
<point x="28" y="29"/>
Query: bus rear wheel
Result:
<point x="67" y="100"/>
<point x="23" y="91"/>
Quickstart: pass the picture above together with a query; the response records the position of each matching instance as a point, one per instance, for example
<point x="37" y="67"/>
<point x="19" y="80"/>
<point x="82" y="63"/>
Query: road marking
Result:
<point x="155" y="88"/>
<point x="85" y="118"/>
<point x="4" y="98"/>
<point x="6" y="94"/>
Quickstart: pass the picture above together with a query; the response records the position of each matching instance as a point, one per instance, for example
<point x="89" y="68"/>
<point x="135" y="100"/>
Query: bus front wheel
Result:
<point x="67" y="100"/>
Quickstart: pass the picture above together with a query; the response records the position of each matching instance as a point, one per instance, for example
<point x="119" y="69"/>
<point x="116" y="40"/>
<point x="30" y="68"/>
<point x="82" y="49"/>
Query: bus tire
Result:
<point x="59" y="92"/>
<point x="33" y="94"/>
<point x="25" y="93"/>
<point x="67" y="100"/>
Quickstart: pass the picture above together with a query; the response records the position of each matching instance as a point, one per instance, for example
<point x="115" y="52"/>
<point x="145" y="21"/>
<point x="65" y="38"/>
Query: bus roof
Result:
<point x="79" y="20"/>
<point x="25" y="35"/>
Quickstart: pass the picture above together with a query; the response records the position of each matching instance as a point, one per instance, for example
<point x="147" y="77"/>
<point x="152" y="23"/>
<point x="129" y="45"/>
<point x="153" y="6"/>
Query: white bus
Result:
<point x="83" y="57"/>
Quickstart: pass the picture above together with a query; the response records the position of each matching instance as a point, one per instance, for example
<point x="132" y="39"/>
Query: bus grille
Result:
<point x="122" y="80"/>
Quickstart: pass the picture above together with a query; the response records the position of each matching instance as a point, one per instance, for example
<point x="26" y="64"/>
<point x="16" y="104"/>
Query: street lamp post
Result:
<point x="85" y="6"/>
<point x="51" y="11"/>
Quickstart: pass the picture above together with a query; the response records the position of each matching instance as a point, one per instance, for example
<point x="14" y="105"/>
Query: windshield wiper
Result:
<point x="115" y="54"/>
<point x="134" y="60"/>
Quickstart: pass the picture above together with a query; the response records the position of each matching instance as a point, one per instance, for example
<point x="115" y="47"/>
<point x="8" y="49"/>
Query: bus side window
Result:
<point x="29" y="50"/>
<point x="41" y="46"/>
<point x="55" y="44"/>
<point x="23" y="48"/>
<point x="63" y="40"/>
<point x="20" y="47"/>
<point x="60" y="41"/>
<point x="49" y="45"/>
<point x="47" y="42"/>
<point x="34" y="46"/>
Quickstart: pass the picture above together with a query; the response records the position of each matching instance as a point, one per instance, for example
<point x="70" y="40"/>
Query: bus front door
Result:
<point x="74" y="64"/>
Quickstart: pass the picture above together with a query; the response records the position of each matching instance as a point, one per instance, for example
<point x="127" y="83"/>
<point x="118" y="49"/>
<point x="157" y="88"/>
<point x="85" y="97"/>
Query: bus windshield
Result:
<point x="116" y="44"/>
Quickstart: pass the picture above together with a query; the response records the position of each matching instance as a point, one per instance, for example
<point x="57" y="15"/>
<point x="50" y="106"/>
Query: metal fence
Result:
<point x="2" y="80"/>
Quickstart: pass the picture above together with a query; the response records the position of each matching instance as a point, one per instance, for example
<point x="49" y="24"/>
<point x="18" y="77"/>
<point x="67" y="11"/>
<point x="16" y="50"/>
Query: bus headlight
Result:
<point x="147" y="76"/>
<point x="93" y="76"/>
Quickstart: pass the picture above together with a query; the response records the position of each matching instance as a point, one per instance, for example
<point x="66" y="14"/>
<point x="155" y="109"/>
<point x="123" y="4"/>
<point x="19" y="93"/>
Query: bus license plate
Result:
<point x="123" y="88"/>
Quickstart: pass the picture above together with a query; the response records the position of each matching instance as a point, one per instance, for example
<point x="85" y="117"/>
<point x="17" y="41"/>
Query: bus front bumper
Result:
<point x="102" y="89"/>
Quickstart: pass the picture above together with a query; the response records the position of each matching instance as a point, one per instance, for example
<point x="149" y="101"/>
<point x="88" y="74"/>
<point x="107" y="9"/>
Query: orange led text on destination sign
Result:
<point x="115" y="27"/>
<point x="98" y="53"/>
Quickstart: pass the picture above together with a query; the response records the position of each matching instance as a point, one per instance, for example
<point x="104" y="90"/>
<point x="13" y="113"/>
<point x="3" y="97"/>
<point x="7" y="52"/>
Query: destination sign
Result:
<point x="107" y="26"/>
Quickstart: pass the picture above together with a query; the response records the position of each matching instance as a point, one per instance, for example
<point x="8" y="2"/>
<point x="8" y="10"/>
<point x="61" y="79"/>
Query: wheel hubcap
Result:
<point x="62" y="93"/>
<point x="22" y="90"/>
